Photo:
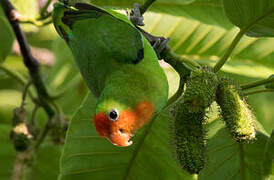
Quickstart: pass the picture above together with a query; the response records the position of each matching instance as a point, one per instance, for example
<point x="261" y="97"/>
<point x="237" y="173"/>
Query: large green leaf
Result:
<point x="254" y="17"/>
<point x="230" y="160"/>
<point x="7" y="153"/>
<point x="201" y="41"/>
<point x="207" y="11"/>
<point x="6" y="39"/>
<point x="86" y="155"/>
<point x="268" y="157"/>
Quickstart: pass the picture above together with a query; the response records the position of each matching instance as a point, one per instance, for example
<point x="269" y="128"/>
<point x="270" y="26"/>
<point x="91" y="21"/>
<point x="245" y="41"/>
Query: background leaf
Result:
<point x="201" y="41"/>
<point x="268" y="157"/>
<point x="6" y="39"/>
<point x="257" y="16"/>
<point x="230" y="160"/>
<point x="206" y="11"/>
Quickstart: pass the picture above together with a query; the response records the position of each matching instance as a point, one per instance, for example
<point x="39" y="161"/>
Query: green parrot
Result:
<point x="119" y="66"/>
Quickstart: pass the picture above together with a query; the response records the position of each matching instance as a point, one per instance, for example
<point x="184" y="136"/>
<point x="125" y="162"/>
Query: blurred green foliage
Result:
<point x="198" y="29"/>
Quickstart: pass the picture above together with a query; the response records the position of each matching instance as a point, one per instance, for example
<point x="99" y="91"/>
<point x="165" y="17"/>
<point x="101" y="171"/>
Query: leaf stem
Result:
<point x="35" y="23"/>
<point x="259" y="91"/>
<point x="24" y="95"/>
<point x="146" y="5"/>
<point x="228" y="52"/>
<point x="257" y="83"/>
<point x="44" y="9"/>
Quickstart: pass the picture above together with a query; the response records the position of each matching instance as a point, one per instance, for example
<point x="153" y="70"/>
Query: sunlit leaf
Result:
<point x="207" y="11"/>
<point x="28" y="9"/>
<point x="201" y="41"/>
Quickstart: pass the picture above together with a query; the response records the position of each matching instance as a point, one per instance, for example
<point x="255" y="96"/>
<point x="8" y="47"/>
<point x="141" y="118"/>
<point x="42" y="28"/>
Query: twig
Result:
<point x="258" y="91"/>
<point x="228" y="52"/>
<point x="44" y="134"/>
<point x="36" y="23"/>
<point x="257" y="83"/>
<point x="24" y="95"/>
<point x="168" y="54"/>
<point x="33" y="114"/>
<point x="44" y="9"/>
<point x="21" y="161"/>
<point x="146" y="5"/>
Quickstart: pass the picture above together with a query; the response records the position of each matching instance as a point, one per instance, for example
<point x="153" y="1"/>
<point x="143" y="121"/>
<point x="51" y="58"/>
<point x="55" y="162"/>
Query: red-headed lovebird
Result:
<point x="119" y="66"/>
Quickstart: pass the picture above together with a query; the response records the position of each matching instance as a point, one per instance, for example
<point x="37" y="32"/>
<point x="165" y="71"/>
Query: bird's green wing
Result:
<point x="118" y="38"/>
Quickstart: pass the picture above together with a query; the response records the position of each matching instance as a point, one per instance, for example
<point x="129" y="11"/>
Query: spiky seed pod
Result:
<point x="188" y="137"/>
<point x="20" y="134"/>
<point x="200" y="89"/>
<point x="59" y="128"/>
<point x="235" y="111"/>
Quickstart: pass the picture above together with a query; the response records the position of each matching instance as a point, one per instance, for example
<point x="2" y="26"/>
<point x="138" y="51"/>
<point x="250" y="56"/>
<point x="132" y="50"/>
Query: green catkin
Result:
<point x="200" y="89"/>
<point x="188" y="137"/>
<point x="235" y="111"/>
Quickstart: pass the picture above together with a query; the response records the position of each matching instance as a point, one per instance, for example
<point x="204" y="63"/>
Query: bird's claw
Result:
<point x="135" y="15"/>
<point x="159" y="45"/>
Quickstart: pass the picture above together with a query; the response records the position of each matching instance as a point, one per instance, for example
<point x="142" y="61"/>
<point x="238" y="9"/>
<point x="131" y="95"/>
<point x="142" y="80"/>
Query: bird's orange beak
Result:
<point x="120" y="132"/>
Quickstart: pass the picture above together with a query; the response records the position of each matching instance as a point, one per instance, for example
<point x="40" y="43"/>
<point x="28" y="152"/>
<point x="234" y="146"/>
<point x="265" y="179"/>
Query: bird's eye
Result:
<point x="113" y="115"/>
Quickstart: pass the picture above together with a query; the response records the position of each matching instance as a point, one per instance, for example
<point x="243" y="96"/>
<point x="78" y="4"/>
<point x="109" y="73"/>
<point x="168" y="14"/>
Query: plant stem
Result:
<point x="259" y="91"/>
<point x="257" y="83"/>
<point x="25" y="93"/>
<point x="44" y="134"/>
<point x="146" y="5"/>
<point x="33" y="114"/>
<point x="36" y="23"/>
<point x="21" y="161"/>
<point x="44" y="9"/>
<point x="228" y="52"/>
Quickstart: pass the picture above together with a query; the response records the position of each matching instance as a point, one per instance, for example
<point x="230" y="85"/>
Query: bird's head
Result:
<point x="118" y="122"/>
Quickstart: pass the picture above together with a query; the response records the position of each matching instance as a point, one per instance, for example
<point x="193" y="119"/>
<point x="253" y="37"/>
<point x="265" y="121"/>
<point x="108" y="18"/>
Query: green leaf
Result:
<point x="86" y="155"/>
<point x="6" y="39"/>
<point x="46" y="164"/>
<point x="268" y="157"/>
<point x="254" y="17"/>
<point x="7" y="153"/>
<point x="207" y="11"/>
<point x="200" y="41"/>
<point x="228" y="159"/>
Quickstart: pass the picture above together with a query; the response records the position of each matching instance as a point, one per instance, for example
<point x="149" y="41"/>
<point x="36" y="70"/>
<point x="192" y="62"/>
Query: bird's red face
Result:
<point x="119" y="127"/>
